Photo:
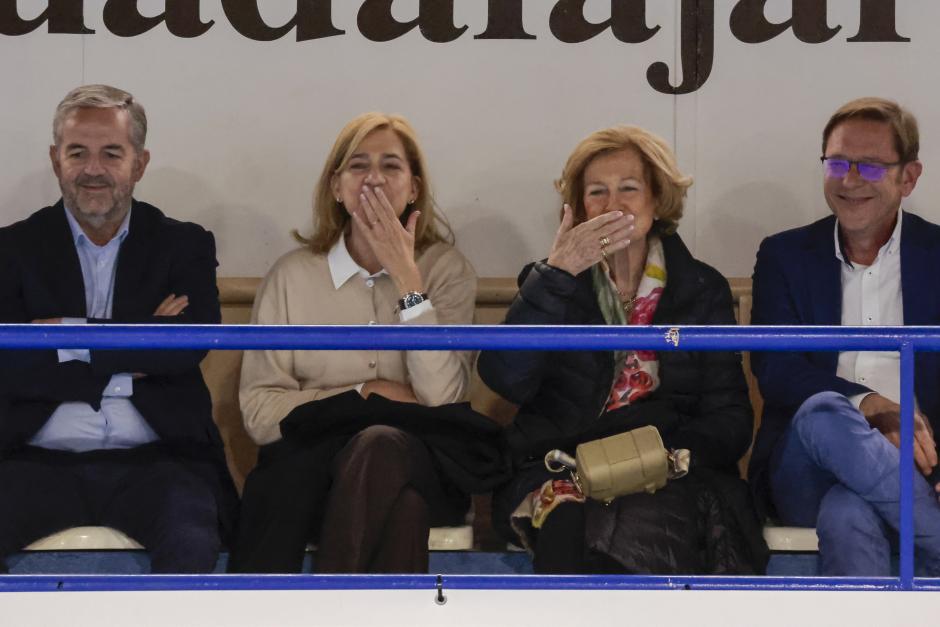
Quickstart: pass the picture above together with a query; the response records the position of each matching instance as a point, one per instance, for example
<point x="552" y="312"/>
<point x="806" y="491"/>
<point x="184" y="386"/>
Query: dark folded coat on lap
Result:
<point x="467" y="446"/>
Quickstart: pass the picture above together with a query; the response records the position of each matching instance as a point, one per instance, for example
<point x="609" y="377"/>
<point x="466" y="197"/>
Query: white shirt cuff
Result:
<point x="858" y="398"/>
<point x="413" y="312"/>
<point x="74" y="354"/>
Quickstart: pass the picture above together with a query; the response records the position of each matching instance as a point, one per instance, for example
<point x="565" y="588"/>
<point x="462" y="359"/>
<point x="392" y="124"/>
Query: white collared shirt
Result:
<point x="871" y="296"/>
<point x="343" y="268"/>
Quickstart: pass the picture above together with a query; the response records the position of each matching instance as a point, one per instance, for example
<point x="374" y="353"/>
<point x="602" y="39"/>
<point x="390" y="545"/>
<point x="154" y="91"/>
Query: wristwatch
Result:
<point x="411" y="299"/>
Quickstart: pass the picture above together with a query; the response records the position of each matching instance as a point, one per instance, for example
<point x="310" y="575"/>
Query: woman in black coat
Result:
<point x="616" y="259"/>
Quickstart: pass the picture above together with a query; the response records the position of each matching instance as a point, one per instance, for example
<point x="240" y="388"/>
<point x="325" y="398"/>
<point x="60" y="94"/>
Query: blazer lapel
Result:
<point x="823" y="274"/>
<point x="918" y="260"/>
<point x="59" y="265"/>
<point x="131" y="264"/>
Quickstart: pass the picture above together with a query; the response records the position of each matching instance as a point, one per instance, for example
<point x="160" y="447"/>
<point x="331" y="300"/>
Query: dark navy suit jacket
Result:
<point x="41" y="277"/>
<point x="798" y="281"/>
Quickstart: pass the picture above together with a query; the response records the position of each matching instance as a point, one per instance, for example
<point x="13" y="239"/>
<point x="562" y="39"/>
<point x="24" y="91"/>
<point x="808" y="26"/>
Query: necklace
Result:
<point x="627" y="303"/>
<point x="628" y="306"/>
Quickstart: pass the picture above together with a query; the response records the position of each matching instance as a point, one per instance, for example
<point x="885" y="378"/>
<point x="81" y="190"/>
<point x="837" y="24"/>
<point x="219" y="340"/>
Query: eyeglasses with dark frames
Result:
<point x="871" y="171"/>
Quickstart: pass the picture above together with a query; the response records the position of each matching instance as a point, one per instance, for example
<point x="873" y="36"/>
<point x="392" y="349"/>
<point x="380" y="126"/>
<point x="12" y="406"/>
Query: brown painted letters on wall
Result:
<point x="435" y="21"/>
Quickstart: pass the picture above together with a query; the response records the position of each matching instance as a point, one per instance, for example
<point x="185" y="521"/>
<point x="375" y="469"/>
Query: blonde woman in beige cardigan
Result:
<point x="379" y="255"/>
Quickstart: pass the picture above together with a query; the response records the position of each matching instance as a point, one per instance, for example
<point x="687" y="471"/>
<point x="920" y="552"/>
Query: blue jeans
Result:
<point x="833" y="471"/>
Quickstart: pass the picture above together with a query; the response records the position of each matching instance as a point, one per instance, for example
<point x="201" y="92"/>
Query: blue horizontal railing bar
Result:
<point x="475" y="337"/>
<point x="146" y="583"/>
<point x="132" y="583"/>
<point x="662" y="582"/>
<point x="906" y="340"/>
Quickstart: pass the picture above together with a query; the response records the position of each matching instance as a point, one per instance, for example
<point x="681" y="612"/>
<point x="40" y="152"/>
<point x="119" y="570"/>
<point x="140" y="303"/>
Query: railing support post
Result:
<point x="907" y="467"/>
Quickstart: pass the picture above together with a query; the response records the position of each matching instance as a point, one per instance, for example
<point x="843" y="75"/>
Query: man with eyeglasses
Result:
<point x="827" y="451"/>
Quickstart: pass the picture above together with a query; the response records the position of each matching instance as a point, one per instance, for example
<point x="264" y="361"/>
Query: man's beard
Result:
<point x="90" y="212"/>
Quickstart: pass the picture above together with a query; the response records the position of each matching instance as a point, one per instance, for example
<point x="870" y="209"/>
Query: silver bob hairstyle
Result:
<point x="102" y="97"/>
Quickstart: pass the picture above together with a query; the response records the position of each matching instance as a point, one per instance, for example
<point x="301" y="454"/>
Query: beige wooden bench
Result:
<point x="221" y="370"/>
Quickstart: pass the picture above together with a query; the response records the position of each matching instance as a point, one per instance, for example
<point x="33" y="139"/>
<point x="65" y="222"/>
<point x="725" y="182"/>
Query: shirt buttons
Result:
<point x="372" y="364"/>
<point x="370" y="283"/>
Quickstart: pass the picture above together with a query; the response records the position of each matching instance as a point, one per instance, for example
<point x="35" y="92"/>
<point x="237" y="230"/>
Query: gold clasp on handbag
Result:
<point x="562" y="459"/>
<point x="558" y="461"/>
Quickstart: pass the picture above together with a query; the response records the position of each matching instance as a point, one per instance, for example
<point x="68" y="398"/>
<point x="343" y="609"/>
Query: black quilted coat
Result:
<point x="703" y="523"/>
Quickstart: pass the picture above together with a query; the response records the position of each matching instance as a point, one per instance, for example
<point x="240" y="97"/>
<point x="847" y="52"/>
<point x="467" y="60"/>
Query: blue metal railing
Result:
<point x="906" y="340"/>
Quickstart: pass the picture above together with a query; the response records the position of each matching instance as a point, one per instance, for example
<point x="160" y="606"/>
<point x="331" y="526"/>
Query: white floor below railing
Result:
<point x="415" y="608"/>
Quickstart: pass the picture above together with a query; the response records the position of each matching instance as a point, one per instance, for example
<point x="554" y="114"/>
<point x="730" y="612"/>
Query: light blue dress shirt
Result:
<point x="76" y="426"/>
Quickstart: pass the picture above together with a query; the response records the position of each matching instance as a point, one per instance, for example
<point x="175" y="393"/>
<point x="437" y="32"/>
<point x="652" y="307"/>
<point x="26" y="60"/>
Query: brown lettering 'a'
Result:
<point x="65" y="17"/>
<point x="313" y="20"/>
<point x="627" y="22"/>
<point x="435" y="20"/>
<point x="749" y="23"/>
<point x="123" y="18"/>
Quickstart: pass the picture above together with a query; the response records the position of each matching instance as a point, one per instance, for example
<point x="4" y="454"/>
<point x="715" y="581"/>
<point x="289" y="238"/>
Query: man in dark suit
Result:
<point x="120" y="438"/>
<point x="827" y="451"/>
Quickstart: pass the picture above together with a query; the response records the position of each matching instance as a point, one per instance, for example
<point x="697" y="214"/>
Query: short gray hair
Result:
<point x="103" y="97"/>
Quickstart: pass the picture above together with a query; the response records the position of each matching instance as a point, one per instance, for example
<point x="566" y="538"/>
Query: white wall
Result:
<point x="239" y="128"/>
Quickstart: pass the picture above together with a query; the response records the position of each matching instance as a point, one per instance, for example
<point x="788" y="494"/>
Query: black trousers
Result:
<point x="144" y="492"/>
<point x="368" y="502"/>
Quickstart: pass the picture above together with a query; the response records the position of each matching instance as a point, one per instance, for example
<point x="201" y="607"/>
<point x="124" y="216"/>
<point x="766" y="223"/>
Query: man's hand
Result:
<point x="391" y="390"/>
<point x="47" y="321"/>
<point x="885" y="415"/>
<point x="172" y="305"/>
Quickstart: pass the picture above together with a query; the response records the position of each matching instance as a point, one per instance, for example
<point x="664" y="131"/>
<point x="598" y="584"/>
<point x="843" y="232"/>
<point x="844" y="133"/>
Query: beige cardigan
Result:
<point x="299" y="290"/>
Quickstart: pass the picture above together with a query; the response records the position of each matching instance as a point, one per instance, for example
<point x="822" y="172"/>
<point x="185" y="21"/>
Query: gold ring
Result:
<point x="605" y="241"/>
<point x="603" y="253"/>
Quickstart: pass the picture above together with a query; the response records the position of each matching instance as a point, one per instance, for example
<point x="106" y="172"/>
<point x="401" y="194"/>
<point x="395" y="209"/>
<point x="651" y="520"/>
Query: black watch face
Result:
<point x="411" y="299"/>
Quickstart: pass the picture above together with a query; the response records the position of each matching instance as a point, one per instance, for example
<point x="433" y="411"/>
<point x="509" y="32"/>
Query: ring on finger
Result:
<point x="605" y="242"/>
<point x="604" y="253"/>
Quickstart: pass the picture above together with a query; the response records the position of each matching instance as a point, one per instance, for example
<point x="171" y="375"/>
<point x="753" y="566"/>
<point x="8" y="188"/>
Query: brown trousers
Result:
<point x="370" y="512"/>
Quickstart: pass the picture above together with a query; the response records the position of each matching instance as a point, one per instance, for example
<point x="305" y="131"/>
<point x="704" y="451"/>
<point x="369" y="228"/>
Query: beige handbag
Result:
<point x="626" y="463"/>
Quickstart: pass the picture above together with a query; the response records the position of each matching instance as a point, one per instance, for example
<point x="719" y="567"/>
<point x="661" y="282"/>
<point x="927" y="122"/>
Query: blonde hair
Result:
<point x="668" y="184"/>
<point x="902" y="122"/>
<point x="329" y="216"/>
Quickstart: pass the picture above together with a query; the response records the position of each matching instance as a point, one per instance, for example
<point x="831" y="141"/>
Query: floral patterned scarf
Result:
<point x="636" y="373"/>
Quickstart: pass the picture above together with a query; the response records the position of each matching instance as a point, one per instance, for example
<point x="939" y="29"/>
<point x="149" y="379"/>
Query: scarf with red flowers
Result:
<point x="636" y="373"/>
